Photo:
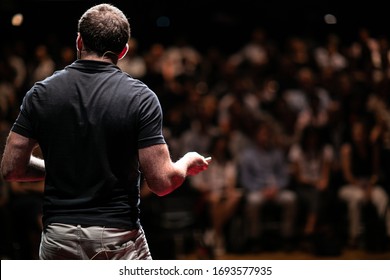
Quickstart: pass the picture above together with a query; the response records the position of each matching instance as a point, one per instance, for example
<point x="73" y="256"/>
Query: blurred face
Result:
<point x="358" y="132"/>
<point x="220" y="147"/>
<point x="263" y="136"/>
<point x="312" y="141"/>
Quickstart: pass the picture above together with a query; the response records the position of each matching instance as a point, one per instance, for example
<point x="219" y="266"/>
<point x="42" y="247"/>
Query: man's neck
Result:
<point x="92" y="56"/>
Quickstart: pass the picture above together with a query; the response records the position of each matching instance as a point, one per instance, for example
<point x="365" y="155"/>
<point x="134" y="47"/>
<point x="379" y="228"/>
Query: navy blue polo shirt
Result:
<point x="90" y="119"/>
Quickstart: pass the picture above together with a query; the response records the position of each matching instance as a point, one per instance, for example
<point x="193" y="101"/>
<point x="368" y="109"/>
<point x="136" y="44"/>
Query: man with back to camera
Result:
<point x="98" y="129"/>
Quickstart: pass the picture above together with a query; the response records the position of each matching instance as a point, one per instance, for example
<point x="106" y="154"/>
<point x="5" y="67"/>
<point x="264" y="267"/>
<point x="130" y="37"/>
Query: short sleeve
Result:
<point x="150" y="120"/>
<point x="24" y="123"/>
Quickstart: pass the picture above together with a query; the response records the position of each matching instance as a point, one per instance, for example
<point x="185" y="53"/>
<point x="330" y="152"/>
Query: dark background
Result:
<point x="226" y="24"/>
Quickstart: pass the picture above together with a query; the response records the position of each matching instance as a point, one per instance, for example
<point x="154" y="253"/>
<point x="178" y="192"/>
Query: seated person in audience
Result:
<point x="219" y="187"/>
<point x="360" y="164"/>
<point x="264" y="177"/>
<point x="311" y="160"/>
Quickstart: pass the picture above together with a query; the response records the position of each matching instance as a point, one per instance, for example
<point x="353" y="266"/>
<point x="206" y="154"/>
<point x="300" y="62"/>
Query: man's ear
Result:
<point x="79" y="42"/>
<point x="123" y="52"/>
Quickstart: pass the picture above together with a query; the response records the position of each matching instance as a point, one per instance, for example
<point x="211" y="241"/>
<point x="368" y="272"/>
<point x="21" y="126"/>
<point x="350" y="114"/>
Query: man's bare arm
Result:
<point x="18" y="164"/>
<point x="164" y="176"/>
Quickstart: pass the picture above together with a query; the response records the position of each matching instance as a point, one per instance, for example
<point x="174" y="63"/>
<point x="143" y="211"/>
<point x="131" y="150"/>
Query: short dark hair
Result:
<point x="104" y="28"/>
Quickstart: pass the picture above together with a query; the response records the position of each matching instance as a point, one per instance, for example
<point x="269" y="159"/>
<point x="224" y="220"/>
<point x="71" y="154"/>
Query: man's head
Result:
<point x="263" y="135"/>
<point x="104" y="30"/>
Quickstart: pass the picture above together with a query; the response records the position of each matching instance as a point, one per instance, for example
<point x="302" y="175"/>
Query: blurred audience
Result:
<point x="133" y="63"/>
<point x="294" y="85"/>
<point x="42" y="66"/>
